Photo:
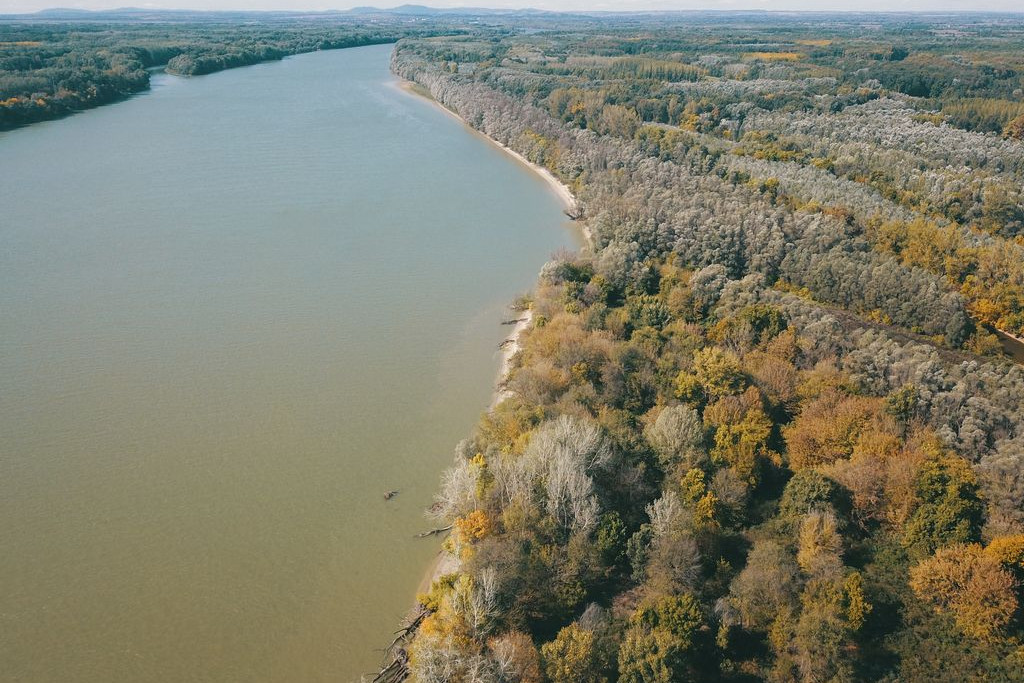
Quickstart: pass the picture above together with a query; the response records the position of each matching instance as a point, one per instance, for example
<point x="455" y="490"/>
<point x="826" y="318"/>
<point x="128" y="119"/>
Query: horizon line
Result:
<point x="507" y="10"/>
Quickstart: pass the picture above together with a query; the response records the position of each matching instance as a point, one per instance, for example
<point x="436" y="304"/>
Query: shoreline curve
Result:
<point x="560" y="189"/>
<point x="445" y="563"/>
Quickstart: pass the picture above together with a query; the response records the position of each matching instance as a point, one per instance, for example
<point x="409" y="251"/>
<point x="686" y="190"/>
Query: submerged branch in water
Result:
<point x="434" y="532"/>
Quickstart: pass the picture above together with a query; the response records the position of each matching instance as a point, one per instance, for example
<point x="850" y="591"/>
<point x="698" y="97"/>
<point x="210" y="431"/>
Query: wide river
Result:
<point x="234" y="311"/>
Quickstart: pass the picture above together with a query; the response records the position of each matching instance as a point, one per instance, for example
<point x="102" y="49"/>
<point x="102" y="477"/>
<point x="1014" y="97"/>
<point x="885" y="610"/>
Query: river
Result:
<point x="234" y="311"/>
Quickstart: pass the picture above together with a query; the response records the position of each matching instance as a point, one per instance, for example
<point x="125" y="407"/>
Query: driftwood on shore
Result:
<point x="514" y="321"/>
<point x="390" y="494"/>
<point x="396" y="656"/>
<point x="575" y="213"/>
<point x="396" y="670"/>
<point x="434" y="532"/>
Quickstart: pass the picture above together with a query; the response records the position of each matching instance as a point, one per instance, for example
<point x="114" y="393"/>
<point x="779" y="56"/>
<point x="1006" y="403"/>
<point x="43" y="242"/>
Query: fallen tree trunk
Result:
<point x="434" y="532"/>
<point x="396" y="667"/>
<point x="395" y="671"/>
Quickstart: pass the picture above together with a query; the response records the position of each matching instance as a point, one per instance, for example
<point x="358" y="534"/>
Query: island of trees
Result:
<point x="763" y="429"/>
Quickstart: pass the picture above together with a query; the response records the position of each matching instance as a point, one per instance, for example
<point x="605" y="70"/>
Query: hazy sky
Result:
<point x="884" y="5"/>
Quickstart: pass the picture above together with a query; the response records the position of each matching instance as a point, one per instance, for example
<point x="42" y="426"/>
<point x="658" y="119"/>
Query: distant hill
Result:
<point x="143" y="14"/>
<point x="435" y="11"/>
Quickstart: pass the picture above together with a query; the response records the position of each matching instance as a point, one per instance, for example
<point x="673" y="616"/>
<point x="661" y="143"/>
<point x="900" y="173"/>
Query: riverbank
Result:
<point x="560" y="189"/>
<point x="19" y="111"/>
<point x="509" y="348"/>
<point x="1013" y="345"/>
<point x="340" y="268"/>
<point x="445" y="563"/>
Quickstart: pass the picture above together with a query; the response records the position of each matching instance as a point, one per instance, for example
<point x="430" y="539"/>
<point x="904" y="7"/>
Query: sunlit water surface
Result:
<point x="234" y="311"/>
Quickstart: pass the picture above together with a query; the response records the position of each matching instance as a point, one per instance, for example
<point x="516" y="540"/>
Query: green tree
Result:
<point x="808" y="491"/>
<point x="948" y="509"/>
<point x="719" y="372"/>
<point x="571" y="657"/>
<point x="660" y="640"/>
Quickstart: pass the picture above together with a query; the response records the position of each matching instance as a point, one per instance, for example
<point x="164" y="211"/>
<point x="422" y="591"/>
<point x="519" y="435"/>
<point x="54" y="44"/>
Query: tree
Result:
<point x="741" y="433"/>
<point x="1015" y="128"/>
<point x="970" y="584"/>
<point x="562" y="456"/>
<point x="820" y="546"/>
<point x="644" y="657"/>
<point x="827" y="428"/>
<point x="516" y="658"/>
<point x="810" y="491"/>
<point x="659" y="642"/>
<point x="766" y="587"/>
<point x="619" y="121"/>
<point x="678" y="437"/>
<point x="1009" y="552"/>
<point x="674" y="563"/>
<point x="719" y="372"/>
<point x="947" y="510"/>
<point x="571" y="657"/>
<point x="822" y="637"/>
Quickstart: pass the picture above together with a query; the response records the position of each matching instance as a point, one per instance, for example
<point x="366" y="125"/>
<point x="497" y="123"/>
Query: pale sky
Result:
<point x="13" y="6"/>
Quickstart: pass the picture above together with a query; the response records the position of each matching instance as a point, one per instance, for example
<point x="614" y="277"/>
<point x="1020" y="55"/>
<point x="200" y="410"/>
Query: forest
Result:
<point x="763" y="428"/>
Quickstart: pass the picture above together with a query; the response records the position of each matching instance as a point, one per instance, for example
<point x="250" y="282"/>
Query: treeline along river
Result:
<point x="234" y="311"/>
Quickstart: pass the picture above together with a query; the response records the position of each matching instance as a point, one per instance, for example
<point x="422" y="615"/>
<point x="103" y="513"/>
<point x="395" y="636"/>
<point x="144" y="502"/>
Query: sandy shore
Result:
<point x="1013" y="345"/>
<point x="509" y="348"/>
<point x="560" y="189"/>
<point x="446" y="563"/>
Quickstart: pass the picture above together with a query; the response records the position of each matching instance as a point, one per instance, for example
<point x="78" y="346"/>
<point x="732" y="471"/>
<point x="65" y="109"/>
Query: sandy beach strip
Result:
<point x="560" y="189"/>
<point x="445" y="562"/>
<point x="509" y="348"/>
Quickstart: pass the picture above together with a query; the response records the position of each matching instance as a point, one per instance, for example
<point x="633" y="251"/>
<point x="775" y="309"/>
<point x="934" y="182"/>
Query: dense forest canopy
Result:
<point x="762" y="429"/>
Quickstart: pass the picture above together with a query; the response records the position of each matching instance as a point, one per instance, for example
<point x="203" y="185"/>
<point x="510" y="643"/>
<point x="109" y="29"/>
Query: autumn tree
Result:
<point x="828" y="428"/>
<point x="970" y="584"/>
<point x="658" y="645"/>
<point x="741" y="431"/>
<point x="571" y="657"/>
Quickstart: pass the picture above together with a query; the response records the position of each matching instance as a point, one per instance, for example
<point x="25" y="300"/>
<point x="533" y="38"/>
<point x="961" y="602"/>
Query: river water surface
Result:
<point x="234" y="311"/>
